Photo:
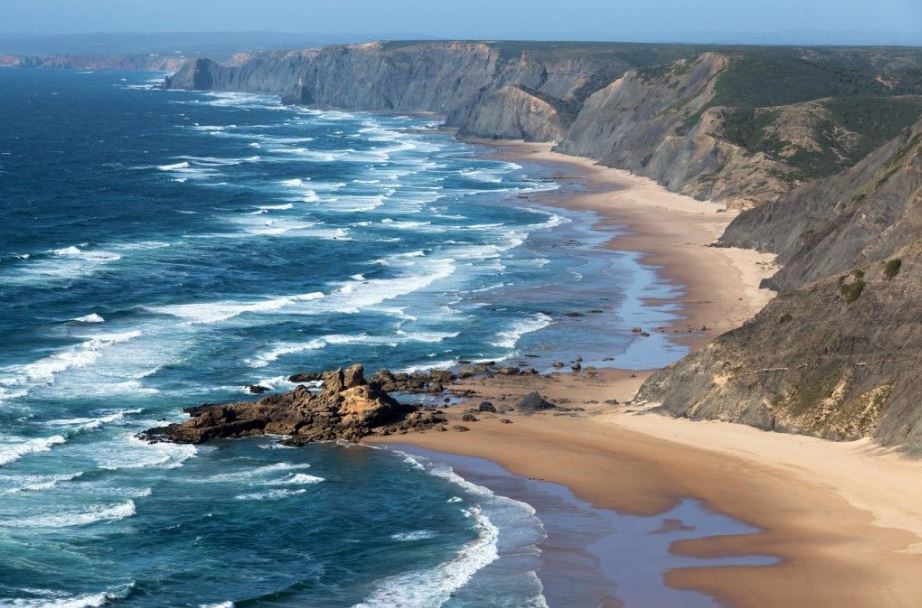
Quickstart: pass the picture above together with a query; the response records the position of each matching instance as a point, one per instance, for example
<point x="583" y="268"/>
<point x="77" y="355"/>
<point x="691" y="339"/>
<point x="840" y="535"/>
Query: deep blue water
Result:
<point x="162" y="249"/>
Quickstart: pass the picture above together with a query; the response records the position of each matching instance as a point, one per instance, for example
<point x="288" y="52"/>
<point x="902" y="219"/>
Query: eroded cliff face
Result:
<point x="837" y="353"/>
<point x="815" y="361"/>
<point x="479" y="91"/>
<point x="868" y="213"/>
<point x="513" y="113"/>
<point x="658" y="123"/>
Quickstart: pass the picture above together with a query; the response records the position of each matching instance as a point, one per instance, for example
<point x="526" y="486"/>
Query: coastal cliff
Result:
<point x="820" y="147"/>
<point x="739" y="126"/>
<point x="836" y="354"/>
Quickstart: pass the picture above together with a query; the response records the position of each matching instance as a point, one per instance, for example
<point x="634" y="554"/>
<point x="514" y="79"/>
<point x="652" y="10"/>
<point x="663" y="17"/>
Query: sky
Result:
<point x="820" y="21"/>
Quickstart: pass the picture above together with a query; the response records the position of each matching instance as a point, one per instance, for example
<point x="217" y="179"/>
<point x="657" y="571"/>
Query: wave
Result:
<point x="134" y="453"/>
<point x="270" y="495"/>
<point x="283" y="349"/>
<point x="80" y="425"/>
<point x="175" y="167"/>
<point x="298" y="479"/>
<point x="36" y="483"/>
<point x="74" y="251"/>
<point x="11" y="451"/>
<point x="435" y="586"/>
<point x="351" y="298"/>
<point x="54" y="599"/>
<point x="290" y="228"/>
<point x="216" y="312"/>
<point x="71" y="262"/>
<point x="213" y="161"/>
<point x="70" y="519"/>
<point x="90" y="318"/>
<point x="44" y="370"/>
<point x="414" y="535"/>
<point x="257" y="473"/>
<point x="510" y="337"/>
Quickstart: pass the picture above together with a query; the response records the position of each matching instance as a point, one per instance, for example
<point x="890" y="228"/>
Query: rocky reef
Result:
<point x="346" y="407"/>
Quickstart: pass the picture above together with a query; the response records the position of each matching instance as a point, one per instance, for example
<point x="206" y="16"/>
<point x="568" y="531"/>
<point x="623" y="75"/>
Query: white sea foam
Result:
<point x="13" y="449"/>
<point x="44" y="370"/>
<point x="36" y="483"/>
<point x="414" y="535"/>
<point x="79" y="425"/>
<point x="510" y="337"/>
<point x="134" y="453"/>
<point x="283" y="349"/>
<point x="175" y="166"/>
<point x="54" y="599"/>
<point x="90" y="318"/>
<point x="74" y="251"/>
<point x="350" y="298"/>
<point x="215" y="312"/>
<point x="270" y="495"/>
<point x="73" y="518"/>
<point x="257" y="474"/>
<point x="435" y="586"/>
<point x="298" y="479"/>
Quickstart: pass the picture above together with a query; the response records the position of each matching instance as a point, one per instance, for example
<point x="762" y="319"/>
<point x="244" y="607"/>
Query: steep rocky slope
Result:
<point x="831" y="225"/>
<point x="837" y="353"/>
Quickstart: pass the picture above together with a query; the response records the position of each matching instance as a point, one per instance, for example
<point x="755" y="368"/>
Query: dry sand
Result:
<point x="845" y="519"/>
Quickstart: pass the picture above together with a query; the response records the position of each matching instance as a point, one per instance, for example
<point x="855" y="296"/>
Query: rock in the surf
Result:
<point x="347" y="407"/>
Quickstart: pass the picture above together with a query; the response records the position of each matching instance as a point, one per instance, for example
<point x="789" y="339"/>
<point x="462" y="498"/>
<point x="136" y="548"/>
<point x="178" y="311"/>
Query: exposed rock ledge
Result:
<point x="347" y="407"/>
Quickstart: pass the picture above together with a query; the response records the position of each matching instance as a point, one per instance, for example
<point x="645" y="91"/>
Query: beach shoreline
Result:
<point x="839" y="517"/>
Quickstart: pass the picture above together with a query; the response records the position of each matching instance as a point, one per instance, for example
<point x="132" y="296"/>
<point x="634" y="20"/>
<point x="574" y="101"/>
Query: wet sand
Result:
<point x="845" y="520"/>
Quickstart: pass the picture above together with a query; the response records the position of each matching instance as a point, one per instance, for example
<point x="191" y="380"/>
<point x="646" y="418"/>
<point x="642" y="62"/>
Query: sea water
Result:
<point x="160" y="249"/>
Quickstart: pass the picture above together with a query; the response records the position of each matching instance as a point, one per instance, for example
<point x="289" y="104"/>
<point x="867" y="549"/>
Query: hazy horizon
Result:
<point x="826" y="22"/>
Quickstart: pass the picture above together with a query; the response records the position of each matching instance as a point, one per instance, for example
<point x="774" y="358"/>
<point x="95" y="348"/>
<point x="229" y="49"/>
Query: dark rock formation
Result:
<point x="432" y="381"/>
<point x="534" y="402"/>
<point x="348" y="407"/>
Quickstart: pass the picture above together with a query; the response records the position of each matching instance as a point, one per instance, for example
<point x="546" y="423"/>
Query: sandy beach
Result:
<point x="845" y="520"/>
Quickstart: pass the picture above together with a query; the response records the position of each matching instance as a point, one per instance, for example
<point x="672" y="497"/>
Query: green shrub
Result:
<point x="851" y="290"/>
<point x="892" y="268"/>
<point x="785" y="318"/>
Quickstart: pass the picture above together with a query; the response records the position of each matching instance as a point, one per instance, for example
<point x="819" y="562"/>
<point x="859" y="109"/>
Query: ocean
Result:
<point x="161" y="249"/>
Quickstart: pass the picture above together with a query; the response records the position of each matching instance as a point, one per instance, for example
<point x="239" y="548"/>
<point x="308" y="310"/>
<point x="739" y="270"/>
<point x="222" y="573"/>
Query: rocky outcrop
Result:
<point x="515" y="113"/>
<point x="347" y="407"/>
<point x="534" y="402"/>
